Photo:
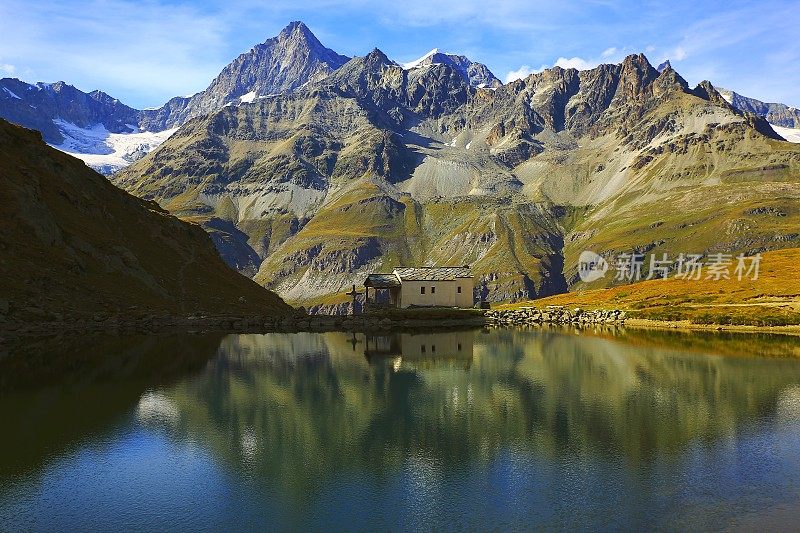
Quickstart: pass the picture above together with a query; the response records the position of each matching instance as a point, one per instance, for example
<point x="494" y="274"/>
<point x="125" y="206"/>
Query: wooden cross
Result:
<point x="354" y="293"/>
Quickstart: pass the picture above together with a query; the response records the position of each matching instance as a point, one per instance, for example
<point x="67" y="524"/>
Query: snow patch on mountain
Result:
<point x="417" y="62"/>
<point x="790" y="134"/>
<point x="104" y="151"/>
<point x="11" y="93"/>
<point x="248" y="98"/>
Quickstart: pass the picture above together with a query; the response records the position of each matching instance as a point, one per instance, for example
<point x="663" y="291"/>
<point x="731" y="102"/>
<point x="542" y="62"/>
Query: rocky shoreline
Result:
<point x="554" y="314"/>
<point x="304" y="322"/>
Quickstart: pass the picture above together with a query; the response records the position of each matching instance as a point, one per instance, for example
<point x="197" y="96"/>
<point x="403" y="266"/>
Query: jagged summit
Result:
<point x="638" y="61"/>
<point x="663" y="66"/>
<point x="377" y="55"/>
<point x="669" y="78"/>
<point x="280" y="64"/>
<point x="297" y="33"/>
<point x="296" y="25"/>
<point x="361" y="72"/>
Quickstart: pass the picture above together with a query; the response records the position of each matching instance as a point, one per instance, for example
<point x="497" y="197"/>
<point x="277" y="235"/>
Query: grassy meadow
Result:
<point x="771" y="300"/>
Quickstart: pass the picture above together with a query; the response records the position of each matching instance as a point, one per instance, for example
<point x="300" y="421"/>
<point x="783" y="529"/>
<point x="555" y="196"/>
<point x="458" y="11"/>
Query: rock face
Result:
<point x="377" y="165"/>
<point x="74" y="248"/>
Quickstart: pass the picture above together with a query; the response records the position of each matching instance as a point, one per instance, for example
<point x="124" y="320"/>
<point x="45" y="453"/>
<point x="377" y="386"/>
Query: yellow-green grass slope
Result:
<point x="771" y="300"/>
<point x="726" y="188"/>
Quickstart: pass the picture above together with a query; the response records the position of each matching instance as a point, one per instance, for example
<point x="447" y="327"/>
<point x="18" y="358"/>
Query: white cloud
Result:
<point x="575" y="62"/>
<point x="521" y="73"/>
<point x="677" y="54"/>
<point x="566" y="63"/>
<point x="609" y="55"/>
<point x="7" y="68"/>
<point x="609" y="52"/>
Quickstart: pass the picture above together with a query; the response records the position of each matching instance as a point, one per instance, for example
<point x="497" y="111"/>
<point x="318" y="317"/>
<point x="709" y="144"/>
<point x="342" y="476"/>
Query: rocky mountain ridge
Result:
<point x="373" y="164"/>
<point x="109" y="135"/>
<point x="775" y="113"/>
<point x="378" y="165"/>
<point x="36" y="106"/>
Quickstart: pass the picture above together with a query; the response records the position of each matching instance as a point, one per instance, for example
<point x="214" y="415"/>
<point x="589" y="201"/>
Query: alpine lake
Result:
<point x="503" y="429"/>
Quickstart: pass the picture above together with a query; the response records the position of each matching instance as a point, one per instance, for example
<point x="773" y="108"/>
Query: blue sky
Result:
<point x="146" y="51"/>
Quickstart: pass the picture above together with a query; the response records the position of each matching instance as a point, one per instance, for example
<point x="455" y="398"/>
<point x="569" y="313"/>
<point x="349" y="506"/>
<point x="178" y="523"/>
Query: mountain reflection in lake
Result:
<point x="501" y="429"/>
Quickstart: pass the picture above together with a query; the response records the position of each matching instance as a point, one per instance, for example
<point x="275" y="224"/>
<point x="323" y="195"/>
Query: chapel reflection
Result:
<point x="421" y="350"/>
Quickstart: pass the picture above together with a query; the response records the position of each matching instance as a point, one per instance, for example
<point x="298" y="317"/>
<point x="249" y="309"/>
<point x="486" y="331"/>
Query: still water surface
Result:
<point x="500" y="429"/>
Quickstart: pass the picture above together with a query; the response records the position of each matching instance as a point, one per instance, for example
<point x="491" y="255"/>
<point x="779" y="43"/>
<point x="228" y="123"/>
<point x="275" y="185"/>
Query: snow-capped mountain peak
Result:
<point x="418" y="62"/>
<point x="476" y="74"/>
<point x="108" y="135"/>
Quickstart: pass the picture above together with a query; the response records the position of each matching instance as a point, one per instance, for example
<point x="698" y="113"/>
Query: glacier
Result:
<point x="104" y="151"/>
<point x="790" y="134"/>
